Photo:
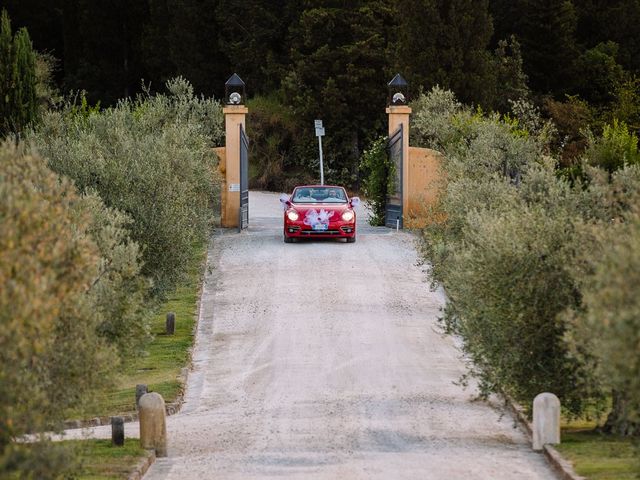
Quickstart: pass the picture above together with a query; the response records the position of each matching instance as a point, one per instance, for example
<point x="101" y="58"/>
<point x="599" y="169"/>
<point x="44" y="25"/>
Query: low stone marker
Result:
<point x="546" y="420"/>
<point x="153" y="423"/>
<point x="170" y="324"/>
<point x="141" y="389"/>
<point x="117" y="431"/>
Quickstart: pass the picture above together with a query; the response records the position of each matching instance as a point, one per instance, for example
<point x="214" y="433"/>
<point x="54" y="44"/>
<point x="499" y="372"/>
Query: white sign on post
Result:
<point x="320" y="134"/>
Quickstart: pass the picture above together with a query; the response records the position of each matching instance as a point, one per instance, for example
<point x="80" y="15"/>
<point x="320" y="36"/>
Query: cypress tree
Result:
<point x="339" y="78"/>
<point x="6" y="71"/>
<point x="546" y="31"/>
<point x="25" y="100"/>
<point x="445" y="42"/>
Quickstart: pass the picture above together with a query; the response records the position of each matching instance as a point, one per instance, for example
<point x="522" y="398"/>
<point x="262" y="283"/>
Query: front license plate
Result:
<point x="321" y="226"/>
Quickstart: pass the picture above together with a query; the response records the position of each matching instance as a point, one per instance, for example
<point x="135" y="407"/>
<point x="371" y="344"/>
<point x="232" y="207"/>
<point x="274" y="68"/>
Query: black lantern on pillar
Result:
<point x="398" y="91"/>
<point x="234" y="90"/>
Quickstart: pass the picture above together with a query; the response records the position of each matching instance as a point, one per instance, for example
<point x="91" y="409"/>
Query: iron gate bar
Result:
<point x="393" y="209"/>
<point x="244" y="180"/>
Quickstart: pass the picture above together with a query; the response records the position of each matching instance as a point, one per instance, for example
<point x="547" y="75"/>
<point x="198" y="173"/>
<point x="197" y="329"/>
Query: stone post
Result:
<point x="141" y="389"/>
<point x="399" y="115"/>
<point x="546" y="420"/>
<point x="234" y="116"/>
<point x="170" y="324"/>
<point x="153" y="423"/>
<point x="117" y="431"/>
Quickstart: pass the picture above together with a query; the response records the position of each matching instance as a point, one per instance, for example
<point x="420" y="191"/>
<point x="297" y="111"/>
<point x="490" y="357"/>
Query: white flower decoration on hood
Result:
<point x="314" y="217"/>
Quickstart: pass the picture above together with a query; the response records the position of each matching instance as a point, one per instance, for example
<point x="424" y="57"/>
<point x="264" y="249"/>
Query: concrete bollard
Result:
<point x="170" y="324"/>
<point x="117" y="431"/>
<point x="153" y="424"/>
<point x="546" y="420"/>
<point x="141" y="389"/>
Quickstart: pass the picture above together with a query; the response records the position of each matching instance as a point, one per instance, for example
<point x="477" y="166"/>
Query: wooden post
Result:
<point x="170" y="324"/>
<point x="117" y="431"/>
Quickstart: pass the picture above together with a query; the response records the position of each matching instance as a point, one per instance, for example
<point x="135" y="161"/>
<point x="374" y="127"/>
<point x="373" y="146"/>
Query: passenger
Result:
<point x="304" y="195"/>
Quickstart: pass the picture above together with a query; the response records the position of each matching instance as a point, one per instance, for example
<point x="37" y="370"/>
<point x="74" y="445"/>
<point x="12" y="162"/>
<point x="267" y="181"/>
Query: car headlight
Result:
<point x="347" y="216"/>
<point x="292" y="215"/>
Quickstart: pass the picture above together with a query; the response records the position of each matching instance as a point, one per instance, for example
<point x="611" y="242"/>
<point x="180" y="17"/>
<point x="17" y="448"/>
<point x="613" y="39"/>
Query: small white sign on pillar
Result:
<point x="546" y="420"/>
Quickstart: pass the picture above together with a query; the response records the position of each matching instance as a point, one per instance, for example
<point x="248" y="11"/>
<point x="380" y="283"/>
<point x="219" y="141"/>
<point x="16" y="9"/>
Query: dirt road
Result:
<point x="322" y="360"/>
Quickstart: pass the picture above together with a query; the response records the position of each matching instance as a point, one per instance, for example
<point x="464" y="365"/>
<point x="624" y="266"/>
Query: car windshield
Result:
<point x="319" y="195"/>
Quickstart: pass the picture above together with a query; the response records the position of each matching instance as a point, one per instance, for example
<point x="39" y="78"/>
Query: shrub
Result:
<point x="118" y="292"/>
<point x="151" y="159"/>
<point x="604" y="330"/>
<point x="378" y="172"/>
<point x="507" y="251"/>
<point x="50" y="356"/>
<point x="611" y="322"/>
<point x="508" y="283"/>
<point x="616" y="148"/>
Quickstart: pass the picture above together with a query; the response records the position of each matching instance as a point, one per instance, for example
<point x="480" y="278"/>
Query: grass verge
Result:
<point x="102" y="461"/>
<point x="165" y="356"/>
<point x="600" y="457"/>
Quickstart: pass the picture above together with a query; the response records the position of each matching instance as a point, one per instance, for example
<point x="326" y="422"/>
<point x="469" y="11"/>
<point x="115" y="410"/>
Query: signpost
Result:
<point x="320" y="134"/>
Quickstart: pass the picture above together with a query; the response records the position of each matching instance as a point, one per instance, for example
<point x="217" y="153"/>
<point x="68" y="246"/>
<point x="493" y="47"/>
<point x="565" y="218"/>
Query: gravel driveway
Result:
<point x="322" y="360"/>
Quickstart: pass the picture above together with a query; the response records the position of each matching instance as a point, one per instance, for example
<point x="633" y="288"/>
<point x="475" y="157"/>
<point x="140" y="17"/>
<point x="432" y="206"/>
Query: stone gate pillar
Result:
<point x="422" y="178"/>
<point x="399" y="113"/>
<point x="234" y="115"/>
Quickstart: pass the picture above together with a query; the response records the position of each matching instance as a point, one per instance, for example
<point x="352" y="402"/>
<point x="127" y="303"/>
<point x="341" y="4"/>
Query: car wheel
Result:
<point x="351" y="239"/>
<point x="288" y="239"/>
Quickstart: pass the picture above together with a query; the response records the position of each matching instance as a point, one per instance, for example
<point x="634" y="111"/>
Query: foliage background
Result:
<point x="536" y="284"/>
<point x="149" y="158"/>
<point x="327" y="59"/>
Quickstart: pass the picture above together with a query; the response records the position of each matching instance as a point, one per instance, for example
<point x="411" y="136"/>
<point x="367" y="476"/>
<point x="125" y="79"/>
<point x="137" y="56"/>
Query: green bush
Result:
<point x="150" y="159"/>
<point x="51" y="359"/>
<point x="612" y="316"/>
<point x="378" y="172"/>
<point x="616" y="148"/>
<point x="507" y="250"/>
<point x="507" y="284"/>
<point x="604" y="330"/>
<point x="119" y="290"/>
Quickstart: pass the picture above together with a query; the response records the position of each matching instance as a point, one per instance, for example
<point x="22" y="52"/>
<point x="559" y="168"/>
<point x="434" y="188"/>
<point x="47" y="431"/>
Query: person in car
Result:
<point x="334" y="196"/>
<point x="304" y="195"/>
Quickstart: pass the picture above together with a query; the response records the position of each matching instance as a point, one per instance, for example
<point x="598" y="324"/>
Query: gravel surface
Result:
<point x="323" y="360"/>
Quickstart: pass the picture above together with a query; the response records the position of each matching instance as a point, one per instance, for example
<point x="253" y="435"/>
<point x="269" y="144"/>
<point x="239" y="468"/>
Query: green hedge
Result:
<point x="541" y="298"/>
<point x="151" y="159"/>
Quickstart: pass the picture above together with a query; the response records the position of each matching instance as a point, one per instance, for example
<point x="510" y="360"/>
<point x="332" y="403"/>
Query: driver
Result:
<point x="335" y="195"/>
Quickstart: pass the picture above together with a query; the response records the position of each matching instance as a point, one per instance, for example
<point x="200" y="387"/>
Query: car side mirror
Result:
<point x="285" y="200"/>
<point x="355" y="202"/>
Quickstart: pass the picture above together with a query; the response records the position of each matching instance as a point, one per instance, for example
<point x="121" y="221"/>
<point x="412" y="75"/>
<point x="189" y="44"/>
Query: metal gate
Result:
<point x="393" y="210"/>
<point x="244" y="179"/>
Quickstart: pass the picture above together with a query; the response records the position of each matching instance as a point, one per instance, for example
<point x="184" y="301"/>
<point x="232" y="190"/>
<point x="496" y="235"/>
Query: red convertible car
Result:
<point x="319" y="211"/>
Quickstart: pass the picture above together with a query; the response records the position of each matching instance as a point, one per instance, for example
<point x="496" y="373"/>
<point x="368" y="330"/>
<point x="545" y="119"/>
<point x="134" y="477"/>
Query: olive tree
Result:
<point x="51" y="359"/>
